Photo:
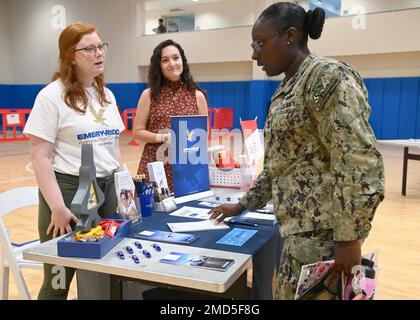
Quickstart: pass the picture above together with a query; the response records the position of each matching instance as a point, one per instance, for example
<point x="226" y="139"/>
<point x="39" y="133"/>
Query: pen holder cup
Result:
<point x="146" y="204"/>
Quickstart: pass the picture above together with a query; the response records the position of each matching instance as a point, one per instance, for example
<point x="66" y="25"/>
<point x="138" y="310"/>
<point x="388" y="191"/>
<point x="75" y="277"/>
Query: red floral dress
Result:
<point x="175" y="100"/>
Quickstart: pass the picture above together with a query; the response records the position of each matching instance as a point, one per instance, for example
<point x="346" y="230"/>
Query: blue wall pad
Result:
<point x="23" y="96"/>
<point x="249" y="99"/>
<point x="127" y="94"/>
<point x="395" y="102"/>
<point x="395" y="106"/>
<point x="4" y="96"/>
<point x="18" y="96"/>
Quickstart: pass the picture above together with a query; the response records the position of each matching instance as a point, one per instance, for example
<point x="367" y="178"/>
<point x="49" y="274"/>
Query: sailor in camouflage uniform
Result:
<point x="322" y="167"/>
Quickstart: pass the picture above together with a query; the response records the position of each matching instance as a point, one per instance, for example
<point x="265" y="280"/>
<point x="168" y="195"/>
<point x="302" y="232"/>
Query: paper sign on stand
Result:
<point x="157" y="174"/>
<point x="253" y="146"/>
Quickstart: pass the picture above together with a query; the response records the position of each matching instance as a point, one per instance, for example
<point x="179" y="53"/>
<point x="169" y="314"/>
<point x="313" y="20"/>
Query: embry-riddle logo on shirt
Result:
<point x="99" y="135"/>
<point x="99" y="116"/>
<point x="110" y="133"/>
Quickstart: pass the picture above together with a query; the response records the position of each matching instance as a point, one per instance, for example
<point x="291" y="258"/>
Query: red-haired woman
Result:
<point x="74" y="109"/>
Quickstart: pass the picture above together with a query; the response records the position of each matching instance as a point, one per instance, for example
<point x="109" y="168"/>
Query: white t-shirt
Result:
<point x="53" y="120"/>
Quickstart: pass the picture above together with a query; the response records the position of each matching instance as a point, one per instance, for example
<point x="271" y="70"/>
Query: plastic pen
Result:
<point x="233" y="221"/>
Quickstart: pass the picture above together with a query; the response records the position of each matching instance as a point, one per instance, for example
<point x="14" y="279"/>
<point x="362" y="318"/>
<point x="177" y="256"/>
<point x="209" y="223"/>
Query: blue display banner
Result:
<point x="189" y="155"/>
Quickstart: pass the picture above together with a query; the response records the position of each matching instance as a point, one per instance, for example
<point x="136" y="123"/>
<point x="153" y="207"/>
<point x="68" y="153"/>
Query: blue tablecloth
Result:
<point x="265" y="247"/>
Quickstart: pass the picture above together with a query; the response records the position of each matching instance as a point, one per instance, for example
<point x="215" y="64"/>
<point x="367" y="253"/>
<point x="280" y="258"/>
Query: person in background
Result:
<point x="160" y="28"/>
<point x="172" y="92"/>
<point x="322" y="167"/>
<point x="74" y="109"/>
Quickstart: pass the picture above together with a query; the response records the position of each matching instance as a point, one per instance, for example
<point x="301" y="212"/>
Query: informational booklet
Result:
<point x="191" y="212"/>
<point x="200" y="261"/>
<point x="165" y="236"/>
<point x="316" y="277"/>
<point x="125" y="189"/>
<point x="311" y="275"/>
<point x="197" y="226"/>
<point x="237" y="237"/>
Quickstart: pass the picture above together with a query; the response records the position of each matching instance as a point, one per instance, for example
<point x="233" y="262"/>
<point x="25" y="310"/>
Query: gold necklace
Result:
<point x="99" y="116"/>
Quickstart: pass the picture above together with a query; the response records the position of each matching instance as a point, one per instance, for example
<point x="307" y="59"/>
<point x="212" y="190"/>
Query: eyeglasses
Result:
<point x="91" y="50"/>
<point x="257" y="45"/>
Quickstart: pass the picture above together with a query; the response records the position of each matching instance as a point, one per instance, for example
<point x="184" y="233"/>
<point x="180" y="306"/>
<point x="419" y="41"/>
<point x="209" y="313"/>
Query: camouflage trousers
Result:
<point x="298" y="250"/>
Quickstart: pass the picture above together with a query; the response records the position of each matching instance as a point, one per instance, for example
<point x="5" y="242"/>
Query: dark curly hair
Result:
<point x="156" y="77"/>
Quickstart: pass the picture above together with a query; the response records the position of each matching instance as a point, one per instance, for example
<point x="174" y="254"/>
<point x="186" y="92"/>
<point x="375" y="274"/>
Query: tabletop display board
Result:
<point x="189" y="158"/>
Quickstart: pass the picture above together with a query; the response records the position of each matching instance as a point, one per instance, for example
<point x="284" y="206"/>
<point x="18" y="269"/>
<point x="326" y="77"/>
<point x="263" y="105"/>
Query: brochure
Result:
<point x="165" y="236"/>
<point x="125" y="189"/>
<point x="191" y="212"/>
<point x="197" y="226"/>
<point x="237" y="237"/>
<point x="311" y="275"/>
<point x="200" y="261"/>
<point x="319" y="280"/>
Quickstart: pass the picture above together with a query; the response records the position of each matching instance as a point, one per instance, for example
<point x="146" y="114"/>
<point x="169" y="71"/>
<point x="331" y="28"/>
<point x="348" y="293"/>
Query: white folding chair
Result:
<point x="12" y="257"/>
